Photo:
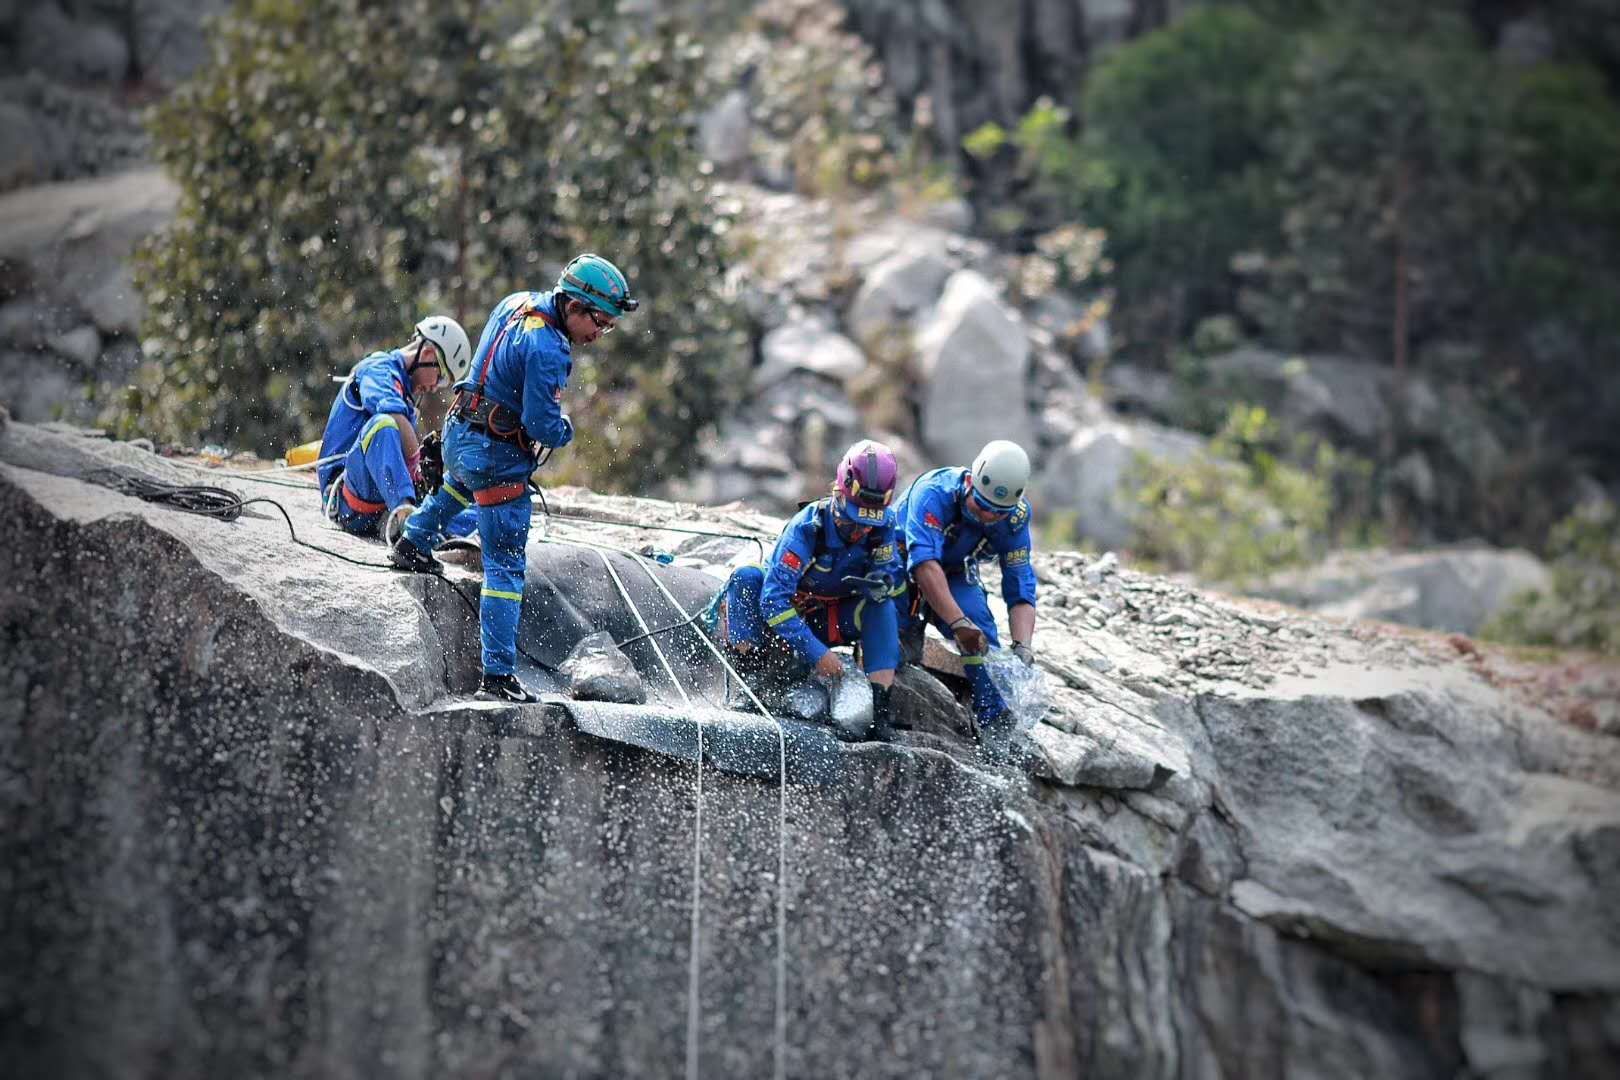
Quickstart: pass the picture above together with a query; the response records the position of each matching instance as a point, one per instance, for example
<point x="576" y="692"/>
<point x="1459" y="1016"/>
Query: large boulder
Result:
<point x="82" y="51"/>
<point x="1344" y="401"/>
<point x="809" y="346"/>
<point x="896" y="290"/>
<point x="1092" y="476"/>
<point x="972" y="359"/>
<point x="1457" y="589"/>
<point x="1246" y="842"/>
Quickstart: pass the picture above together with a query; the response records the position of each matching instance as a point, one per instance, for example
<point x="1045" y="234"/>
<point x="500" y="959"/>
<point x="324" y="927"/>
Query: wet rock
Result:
<point x="598" y="671"/>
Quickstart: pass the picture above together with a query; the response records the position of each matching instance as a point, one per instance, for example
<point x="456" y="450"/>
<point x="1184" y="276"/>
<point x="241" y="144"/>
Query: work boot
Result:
<point x="882" y="713"/>
<point x="407" y="556"/>
<point x="502" y="688"/>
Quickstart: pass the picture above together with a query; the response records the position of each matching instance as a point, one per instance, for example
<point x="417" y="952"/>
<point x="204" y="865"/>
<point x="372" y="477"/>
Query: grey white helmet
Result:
<point x="1001" y="474"/>
<point x="455" y="351"/>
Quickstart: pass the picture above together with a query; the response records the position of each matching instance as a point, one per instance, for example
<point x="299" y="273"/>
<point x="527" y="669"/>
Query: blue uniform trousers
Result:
<point x="857" y="618"/>
<point x="969" y="596"/>
<point x="492" y="476"/>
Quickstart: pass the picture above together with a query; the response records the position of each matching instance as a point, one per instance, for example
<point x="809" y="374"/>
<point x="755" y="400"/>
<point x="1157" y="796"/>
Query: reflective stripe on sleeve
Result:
<point x="782" y="616"/>
<point x="501" y="594"/>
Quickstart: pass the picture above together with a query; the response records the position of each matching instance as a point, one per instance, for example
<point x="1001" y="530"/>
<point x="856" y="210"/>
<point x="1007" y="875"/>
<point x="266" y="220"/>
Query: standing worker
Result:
<point x="831" y="580"/>
<point x="502" y="418"/>
<point x="373" y="459"/>
<point x="950" y="519"/>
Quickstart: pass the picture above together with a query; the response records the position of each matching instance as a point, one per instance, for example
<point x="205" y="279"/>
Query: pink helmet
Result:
<point x="867" y="474"/>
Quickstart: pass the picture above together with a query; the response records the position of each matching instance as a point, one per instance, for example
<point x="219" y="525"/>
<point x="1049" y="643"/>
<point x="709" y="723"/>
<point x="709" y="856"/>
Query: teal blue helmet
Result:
<point x="597" y="283"/>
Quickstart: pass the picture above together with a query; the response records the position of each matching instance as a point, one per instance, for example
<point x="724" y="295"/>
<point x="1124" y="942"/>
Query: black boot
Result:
<point x="882" y="713"/>
<point x="407" y="556"/>
<point x="502" y="688"/>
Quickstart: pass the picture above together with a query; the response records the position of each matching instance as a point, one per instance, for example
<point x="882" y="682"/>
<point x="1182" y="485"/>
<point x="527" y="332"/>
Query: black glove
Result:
<point x="432" y="463"/>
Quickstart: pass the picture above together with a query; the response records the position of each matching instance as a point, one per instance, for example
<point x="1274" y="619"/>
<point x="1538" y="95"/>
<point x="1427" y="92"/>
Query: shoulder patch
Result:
<point x="556" y="395"/>
<point x="1016" y="557"/>
<point x="1019" y="515"/>
<point x="791" y="560"/>
<point x="883" y="553"/>
<point x="931" y="521"/>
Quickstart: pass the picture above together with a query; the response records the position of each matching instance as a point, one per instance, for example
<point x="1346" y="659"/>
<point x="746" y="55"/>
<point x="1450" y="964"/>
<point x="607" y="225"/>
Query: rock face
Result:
<point x="972" y="360"/>
<point x="251" y="827"/>
<point x="72" y="311"/>
<point x="1458" y="589"/>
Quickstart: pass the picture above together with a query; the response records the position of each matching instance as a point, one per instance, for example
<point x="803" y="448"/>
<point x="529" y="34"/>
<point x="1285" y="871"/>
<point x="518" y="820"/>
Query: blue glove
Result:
<point x="568" y="430"/>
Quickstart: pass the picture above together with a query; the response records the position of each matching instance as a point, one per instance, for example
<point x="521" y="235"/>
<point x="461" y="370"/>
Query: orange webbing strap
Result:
<point x="501" y="494"/>
<point x="483" y="373"/>
<point x="359" y="505"/>
<point x="833" y="636"/>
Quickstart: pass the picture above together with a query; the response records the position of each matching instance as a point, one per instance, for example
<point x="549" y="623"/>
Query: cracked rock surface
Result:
<point x="252" y="825"/>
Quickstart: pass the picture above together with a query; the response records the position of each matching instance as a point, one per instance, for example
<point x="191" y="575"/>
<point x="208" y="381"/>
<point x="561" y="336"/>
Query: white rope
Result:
<point x="781" y="825"/>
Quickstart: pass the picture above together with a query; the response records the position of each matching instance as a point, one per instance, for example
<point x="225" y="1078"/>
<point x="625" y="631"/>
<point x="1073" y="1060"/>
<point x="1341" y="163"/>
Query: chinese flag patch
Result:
<point x="556" y="395"/>
<point x="930" y="520"/>
<point x="792" y="561"/>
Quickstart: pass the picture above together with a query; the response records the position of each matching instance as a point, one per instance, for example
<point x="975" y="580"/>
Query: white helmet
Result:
<point x="1001" y="473"/>
<point x="455" y="351"/>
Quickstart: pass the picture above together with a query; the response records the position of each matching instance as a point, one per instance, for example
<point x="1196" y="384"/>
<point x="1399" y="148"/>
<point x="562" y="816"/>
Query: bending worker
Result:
<point x="950" y="519"/>
<point x="503" y="416"/>
<point x="373" y="458"/>
<point x="805" y="598"/>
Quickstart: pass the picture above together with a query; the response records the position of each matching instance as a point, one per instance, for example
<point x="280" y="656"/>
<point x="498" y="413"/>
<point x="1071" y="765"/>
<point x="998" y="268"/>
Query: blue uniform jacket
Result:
<point x="378" y="384"/>
<point x="933" y="524"/>
<point x="529" y="368"/>
<point x="811" y="557"/>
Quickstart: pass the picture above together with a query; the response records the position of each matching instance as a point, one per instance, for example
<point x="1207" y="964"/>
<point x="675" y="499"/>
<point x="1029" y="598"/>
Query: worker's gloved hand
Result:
<point x="394" y="524"/>
<point x="568" y="431"/>
<point x="1024" y="652"/>
<point x="432" y="470"/>
<point x="830" y="666"/>
<point x="970" y="640"/>
<point x="413" y="466"/>
<point x="875" y="586"/>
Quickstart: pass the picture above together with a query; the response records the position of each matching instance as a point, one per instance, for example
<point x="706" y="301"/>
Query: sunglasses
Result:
<point x="603" y="324"/>
<point x="987" y="505"/>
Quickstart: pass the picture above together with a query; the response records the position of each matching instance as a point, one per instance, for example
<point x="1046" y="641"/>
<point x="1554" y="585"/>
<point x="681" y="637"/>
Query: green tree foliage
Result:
<point x="1390" y="168"/>
<point x="1239" y="510"/>
<point x="1171" y="161"/>
<point x="348" y="166"/>
<point x="1582" y="608"/>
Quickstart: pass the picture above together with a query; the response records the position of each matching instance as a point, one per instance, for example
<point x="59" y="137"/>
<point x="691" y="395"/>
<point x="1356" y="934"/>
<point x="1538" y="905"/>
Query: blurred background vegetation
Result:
<point x="1366" y="180"/>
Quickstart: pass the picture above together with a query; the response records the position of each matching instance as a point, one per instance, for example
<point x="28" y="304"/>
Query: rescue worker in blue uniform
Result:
<point x="503" y="416"/>
<point x="949" y="520"/>
<point x="830" y="581"/>
<point x="371" y="457"/>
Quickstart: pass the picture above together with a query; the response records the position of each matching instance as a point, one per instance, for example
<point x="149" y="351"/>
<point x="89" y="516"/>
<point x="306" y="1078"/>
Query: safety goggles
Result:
<point x="986" y="505"/>
<point x="624" y="303"/>
<point x="604" y="325"/>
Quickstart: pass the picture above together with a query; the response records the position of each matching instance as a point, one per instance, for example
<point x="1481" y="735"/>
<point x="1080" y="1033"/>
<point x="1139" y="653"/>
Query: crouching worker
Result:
<point x="373" y="469"/>
<point x="830" y="581"/>
<point x="950" y="519"/>
<point x="503" y="416"/>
